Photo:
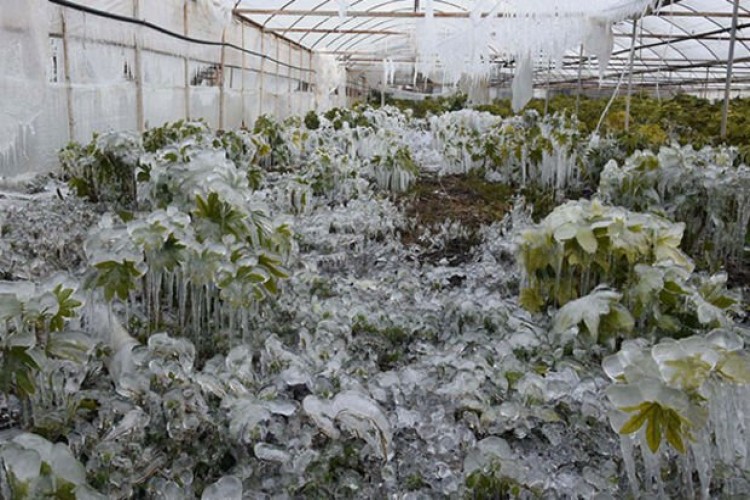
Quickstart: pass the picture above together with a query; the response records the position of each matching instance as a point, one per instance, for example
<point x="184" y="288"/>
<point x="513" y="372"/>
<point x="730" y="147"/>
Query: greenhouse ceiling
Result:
<point x="683" y="43"/>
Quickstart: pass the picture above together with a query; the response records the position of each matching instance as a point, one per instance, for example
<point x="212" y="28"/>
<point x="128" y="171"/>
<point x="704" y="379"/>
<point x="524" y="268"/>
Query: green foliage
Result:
<point x="684" y="119"/>
<point x="32" y="320"/>
<point x="659" y="421"/>
<point x="431" y="105"/>
<point x="105" y="169"/>
<point x="116" y="279"/>
<point x="491" y="484"/>
<point x="177" y="132"/>
<point x="312" y="122"/>
<point x="17" y="371"/>
<point x="272" y="135"/>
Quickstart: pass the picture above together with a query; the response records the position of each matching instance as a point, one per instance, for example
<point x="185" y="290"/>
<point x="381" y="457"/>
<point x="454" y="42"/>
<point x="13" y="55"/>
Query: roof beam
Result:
<point x="459" y="15"/>
<point x="336" y="31"/>
<point x="677" y="37"/>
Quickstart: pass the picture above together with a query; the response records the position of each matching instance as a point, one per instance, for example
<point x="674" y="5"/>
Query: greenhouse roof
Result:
<point x="677" y="43"/>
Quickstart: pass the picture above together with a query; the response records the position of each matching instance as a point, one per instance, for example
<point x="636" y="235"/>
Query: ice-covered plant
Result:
<point x="598" y="317"/>
<point x="157" y="138"/>
<point x="584" y="244"/>
<point x="702" y="188"/>
<point x="273" y="137"/>
<point x="395" y="170"/>
<point x="33" y="467"/>
<point x="32" y="320"/>
<point x="668" y="299"/>
<point x="203" y="268"/>
<point x="686" y="394"/>
<point x="105" y="169"/>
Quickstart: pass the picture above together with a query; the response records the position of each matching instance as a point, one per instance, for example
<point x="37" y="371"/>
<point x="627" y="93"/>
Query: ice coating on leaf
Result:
<point x="135" y="420"/>
<point x="355" y="413"/>
<point x="226" y="488"/>
<point x="245" y="416"/>
<point x="589" y="310"/>
<point x="23" y="463"/>
<point x="31" y="458"/>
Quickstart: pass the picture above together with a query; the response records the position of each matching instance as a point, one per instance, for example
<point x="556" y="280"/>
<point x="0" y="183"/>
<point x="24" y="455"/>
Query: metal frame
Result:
<point x="656" y="53"/>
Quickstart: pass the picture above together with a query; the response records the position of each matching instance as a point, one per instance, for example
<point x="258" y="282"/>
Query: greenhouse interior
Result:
<point x="377" y="249"/>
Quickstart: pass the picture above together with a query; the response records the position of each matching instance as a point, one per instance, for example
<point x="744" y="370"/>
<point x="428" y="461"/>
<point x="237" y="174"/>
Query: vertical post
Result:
<point x="705" y="83"/>
<point x="186" y="32"/>
<point x="222" y="80"/>
<point x="244" y="71"/>
<point x="546" y="94"/>
<point x="289" y="71"/>
<point x="68" y="79"/>
<point x="139" y="109"/>
<point x="262" y="70"/>
<point x="580" y="80"/>
<point x="311" y="85"/>
<point x="630" y="75"/>
<point x="730" y="67"/>
<point x="277" y="110"/>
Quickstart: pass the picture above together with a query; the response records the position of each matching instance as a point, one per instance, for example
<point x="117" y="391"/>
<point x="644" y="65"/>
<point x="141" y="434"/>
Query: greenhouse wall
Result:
<point x="88" y="72"/>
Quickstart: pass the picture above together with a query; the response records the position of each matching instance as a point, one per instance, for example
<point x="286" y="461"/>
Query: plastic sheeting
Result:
<point x="68" y="74"/>
<point x="23" y="56"/>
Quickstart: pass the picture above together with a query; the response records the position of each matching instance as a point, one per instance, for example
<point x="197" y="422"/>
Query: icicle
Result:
<point x="523" y="83"/>
<point x="686" y="470"/>
<point x="628" y="458"/>
<point x="701" y="450"/>
<point x="652" y="468"/>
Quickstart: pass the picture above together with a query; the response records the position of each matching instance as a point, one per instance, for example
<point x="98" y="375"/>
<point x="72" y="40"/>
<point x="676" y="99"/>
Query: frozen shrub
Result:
<point x="682" y="398"/>
<point x="583" y="244"/>
<point x="105" y="169"/>
<point x="700" y="188"/>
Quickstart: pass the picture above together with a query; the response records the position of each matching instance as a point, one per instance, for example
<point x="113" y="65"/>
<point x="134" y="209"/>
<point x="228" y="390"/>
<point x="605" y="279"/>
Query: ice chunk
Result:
<point x="133" y="420"/>
<point x="270" y="453"/>
<point x="226" y="488"/>
<point x="245" y="415"/>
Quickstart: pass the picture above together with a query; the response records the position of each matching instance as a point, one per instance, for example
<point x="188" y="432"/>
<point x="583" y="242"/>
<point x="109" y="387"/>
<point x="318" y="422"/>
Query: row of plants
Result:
<point x="608" y="276"/>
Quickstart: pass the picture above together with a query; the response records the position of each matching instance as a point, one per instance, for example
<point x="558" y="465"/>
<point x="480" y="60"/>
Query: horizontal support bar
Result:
<point x="335" y="31"/>
<point x="454" y="15"/>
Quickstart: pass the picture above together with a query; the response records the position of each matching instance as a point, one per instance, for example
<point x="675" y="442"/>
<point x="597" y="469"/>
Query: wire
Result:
<point x="161" y="29"/>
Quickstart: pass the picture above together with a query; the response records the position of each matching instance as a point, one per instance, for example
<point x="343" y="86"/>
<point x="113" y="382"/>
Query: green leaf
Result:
<point x="673" y="424"/>
<point x="644" y="411"/>
<point x="116" y="278"/>
<point x="653" y="429"/>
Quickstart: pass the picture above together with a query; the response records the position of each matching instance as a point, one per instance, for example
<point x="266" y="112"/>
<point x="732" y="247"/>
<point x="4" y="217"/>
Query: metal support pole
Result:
<point x="244" y="72"/>
<point x="139" y="106"/>
<point x="312" y="85"/>
<point x="290" y="94"/>
<point x="546" y="94"/>
<point x="222" y="79"/>
<point x="730" y="67"/>
<point x="277" y="77"/>
<point x="262" y="71"/>
<point x="630" y="75"/>
<point x="580" y="81"/>
<point x="186" y="32"/>
<point x="68" y="79"/>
